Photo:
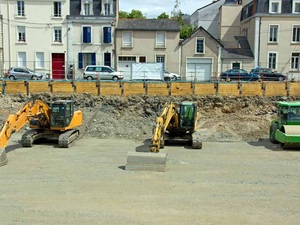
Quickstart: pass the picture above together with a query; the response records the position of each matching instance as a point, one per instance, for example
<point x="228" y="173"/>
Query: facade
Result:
<point x="272" y="28"/>
<point x="200" y="56"/>
<point x="1" y="48"/>
<point x="237" y="53"/>
<point x="35" y="35"/>
<point x="91" y="28"/>
<point x="147" y="41"/>
<point x="208" y="17"/>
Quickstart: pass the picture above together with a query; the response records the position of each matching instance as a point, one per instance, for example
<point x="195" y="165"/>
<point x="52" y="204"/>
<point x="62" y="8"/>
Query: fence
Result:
<point x="152" y="88"/>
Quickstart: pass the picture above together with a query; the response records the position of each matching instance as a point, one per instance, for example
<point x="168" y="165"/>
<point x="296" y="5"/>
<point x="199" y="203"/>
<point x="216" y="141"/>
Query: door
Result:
<point x="106" y="73"/>
<point x="199" y="69"/>
<point x="107" y="59"/>
<point x="58" y="66"/>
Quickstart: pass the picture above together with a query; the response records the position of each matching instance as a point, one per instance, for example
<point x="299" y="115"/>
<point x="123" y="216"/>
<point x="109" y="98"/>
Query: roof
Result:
<point x="149" y="24"/>
<point x="244" y="52"/>
<point x="205" y="31"/>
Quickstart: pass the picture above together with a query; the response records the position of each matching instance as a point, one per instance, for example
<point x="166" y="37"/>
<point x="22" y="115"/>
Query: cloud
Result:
<point x="152" y="9"/>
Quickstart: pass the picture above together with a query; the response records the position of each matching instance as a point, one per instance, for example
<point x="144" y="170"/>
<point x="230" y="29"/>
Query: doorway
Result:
<point x="58" y="66"/>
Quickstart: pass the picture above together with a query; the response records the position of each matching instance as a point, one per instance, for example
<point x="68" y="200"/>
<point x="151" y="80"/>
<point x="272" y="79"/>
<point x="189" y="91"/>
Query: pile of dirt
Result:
<point x="223" y="118"/>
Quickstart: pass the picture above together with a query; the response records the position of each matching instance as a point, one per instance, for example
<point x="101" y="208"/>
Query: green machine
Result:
<point x="285" y="129"/>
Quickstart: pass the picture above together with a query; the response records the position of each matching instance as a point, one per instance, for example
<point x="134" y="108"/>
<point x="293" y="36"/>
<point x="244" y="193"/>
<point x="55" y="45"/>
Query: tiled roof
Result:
<point x="149" y="24"/>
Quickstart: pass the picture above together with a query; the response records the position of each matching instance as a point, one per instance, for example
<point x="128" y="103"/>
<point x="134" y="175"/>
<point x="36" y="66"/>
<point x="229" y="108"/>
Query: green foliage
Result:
<point x="163" y="16"/>
<point x="123" y="14"/>
<point x="187" y="30"/>
<point x="136" y="14"/>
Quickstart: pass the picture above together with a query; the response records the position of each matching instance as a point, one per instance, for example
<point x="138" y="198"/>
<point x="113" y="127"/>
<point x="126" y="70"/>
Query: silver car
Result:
<point x="15" y="73"/>
<point x="95" y="72"/>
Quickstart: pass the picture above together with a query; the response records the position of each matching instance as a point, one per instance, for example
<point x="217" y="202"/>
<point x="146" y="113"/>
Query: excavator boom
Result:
<point x="43" y="122"/>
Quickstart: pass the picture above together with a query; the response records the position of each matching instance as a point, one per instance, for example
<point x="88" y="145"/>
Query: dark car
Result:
<point x="238" y="74"/>
<point x="267" y="74"/>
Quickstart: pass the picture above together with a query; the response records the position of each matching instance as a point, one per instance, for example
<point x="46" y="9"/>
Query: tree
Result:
<point x="136" y="14"/>
<point x="123" y="14"/>
<point x="176" y="11"/>
<point x="163" y="16"/>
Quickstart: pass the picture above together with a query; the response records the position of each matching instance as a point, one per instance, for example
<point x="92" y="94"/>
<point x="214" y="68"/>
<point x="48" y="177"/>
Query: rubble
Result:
<point x="223" y="118"/>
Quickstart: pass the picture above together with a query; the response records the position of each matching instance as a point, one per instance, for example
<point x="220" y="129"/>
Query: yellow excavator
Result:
<point x="61" y="121"/>
<point x="178" y="123"/>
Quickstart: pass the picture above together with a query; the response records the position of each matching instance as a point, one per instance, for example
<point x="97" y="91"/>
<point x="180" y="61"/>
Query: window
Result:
<point x="236" y="65"/>
<point x="87" y="11"/>
<point x="57" y="35"/>
<point x="272" y="60"/>
<point x="296" y="6"/>
<point x="106" y="9"/>
<point x="160" y="40"/>
<point x="160" y="58"/>
<point x="57" y="9"/>
<point x="295" y="61"/>
<point x="275" y="6"/>
<point x="39" y="60"/>
<point x="22" y="59"/>
<point x="106" y="34"/>
<point x="21" y="8"/>
<point x="86" y="34"/>
<point x="200" y="45"/>
<point x="296" y="33"/>
<point x="273" y="34"/>
<point x="85" y="59"/>
<point x="127" y="39"/>
<point x="21" y="34"/>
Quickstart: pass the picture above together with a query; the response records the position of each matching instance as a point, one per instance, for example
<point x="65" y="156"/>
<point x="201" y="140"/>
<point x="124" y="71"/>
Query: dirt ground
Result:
<point x="237" y="178"/>
<point x="226" y="183"/>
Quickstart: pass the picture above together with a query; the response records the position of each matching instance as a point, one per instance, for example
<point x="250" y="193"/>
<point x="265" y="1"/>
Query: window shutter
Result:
<point x="93" y="58"/>
<point x="80" y="60"/>
<point x="106" y="35"/>
<point x="86" y="35"/>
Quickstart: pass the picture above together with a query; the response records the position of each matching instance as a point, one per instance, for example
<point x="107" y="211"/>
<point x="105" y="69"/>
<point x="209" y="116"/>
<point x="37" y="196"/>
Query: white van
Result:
<point x="94" y="72"/>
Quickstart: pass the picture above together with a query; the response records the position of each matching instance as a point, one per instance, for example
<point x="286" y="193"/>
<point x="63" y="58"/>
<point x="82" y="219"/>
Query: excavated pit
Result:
<point x="223" y="118"/>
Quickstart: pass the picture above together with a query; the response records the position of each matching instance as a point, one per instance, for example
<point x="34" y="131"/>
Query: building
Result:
<point x="147" y="41"/>
<point x="272" y="28"/>
<point x="2" y="71"/>
<point x="35" y="35"/>
<point x="208" y="17"/>
<point x="200" y="56"/>
<point x="91" y="30"/>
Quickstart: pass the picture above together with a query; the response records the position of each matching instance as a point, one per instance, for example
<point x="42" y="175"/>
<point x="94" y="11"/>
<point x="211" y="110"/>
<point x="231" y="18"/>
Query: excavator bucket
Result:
<point x="148" y="161"/>
<point x="3" y="158"/>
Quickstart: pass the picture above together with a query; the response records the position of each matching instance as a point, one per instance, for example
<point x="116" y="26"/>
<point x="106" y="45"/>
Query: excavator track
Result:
<point x="28" y="137"/>
<point x="67" y="138"/>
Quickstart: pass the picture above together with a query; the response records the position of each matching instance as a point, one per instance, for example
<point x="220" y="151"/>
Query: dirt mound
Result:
<point x="223" y="118"/>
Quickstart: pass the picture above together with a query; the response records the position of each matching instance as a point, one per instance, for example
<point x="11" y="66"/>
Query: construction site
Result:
<point x="237" y="176"/>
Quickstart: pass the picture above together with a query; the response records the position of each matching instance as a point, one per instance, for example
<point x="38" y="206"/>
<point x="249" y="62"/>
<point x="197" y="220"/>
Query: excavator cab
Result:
<point x="187" y="112"/>
<point x="62" y="113"/>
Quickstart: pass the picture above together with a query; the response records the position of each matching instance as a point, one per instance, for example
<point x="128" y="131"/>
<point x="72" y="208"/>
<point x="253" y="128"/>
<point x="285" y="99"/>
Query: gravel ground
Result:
<point x="237" y="178"/>
<point x="226" y="183"/>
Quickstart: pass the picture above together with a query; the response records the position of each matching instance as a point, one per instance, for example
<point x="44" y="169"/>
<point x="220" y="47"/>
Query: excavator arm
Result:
<point x="37" y="109"/>
<point x="162" y="123"/>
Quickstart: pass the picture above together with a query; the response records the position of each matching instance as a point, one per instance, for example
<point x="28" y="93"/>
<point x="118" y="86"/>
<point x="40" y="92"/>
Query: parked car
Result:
<point x="171" y="76"/>
<point x="95" y="72"/>
<point x="267" y="74"/>
<point x="15" y="73"/>
<point x="238" y="74"/>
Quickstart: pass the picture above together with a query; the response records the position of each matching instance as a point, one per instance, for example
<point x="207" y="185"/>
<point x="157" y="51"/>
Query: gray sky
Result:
<point x="153" y="8"/>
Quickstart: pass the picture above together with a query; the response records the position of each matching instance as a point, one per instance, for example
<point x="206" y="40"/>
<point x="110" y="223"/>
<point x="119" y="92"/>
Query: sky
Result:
<point x="153" y="8"/>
